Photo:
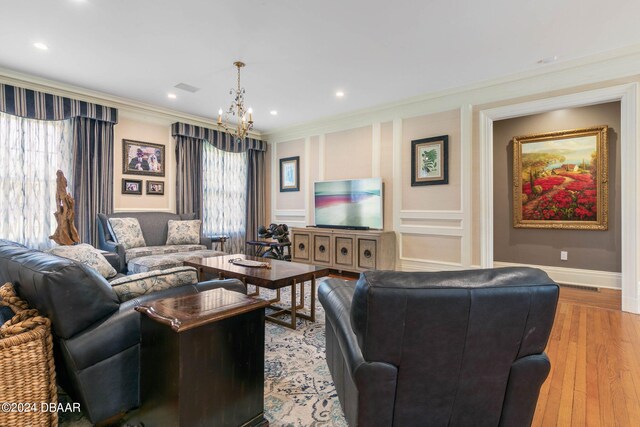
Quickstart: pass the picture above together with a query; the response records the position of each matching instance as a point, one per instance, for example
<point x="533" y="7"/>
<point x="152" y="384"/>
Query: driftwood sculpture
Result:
<point x="66" y="233"/>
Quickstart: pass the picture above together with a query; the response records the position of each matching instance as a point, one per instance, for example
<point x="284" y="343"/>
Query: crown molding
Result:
<point x="593" y="69"/>
<point x="134" y="108"/>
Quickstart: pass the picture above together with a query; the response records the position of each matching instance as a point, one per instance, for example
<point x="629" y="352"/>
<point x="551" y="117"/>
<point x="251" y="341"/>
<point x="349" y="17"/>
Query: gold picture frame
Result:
<point x="560" y="180"/>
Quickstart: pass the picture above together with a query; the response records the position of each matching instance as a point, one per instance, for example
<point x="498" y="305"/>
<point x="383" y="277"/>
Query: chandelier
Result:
<point x="244" y="117"/>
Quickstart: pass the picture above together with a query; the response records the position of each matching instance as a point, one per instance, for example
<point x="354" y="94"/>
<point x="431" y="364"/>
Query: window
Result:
<point x="225" y="195"/>
<point x="31" y="151"/>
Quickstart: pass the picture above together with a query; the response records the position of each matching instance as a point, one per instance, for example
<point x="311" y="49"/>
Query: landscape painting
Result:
<point x="560" y="180"/>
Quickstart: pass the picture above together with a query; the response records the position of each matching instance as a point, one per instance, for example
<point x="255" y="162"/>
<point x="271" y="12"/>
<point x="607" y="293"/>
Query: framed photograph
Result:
<point x="155" y="187"/>
<point x="430" y="161"/>
<point x="560" y="180"/>
<point x="142" y="158"/>
<point x="290" y="174"/>
<point x="131" y="186"/>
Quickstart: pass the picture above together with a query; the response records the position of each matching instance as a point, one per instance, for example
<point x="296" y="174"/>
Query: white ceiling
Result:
<point x="300" y="52"/>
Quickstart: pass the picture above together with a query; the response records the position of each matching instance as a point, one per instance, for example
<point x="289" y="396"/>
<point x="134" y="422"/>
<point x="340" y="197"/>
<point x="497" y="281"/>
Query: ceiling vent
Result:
<point x="186" y="87"/>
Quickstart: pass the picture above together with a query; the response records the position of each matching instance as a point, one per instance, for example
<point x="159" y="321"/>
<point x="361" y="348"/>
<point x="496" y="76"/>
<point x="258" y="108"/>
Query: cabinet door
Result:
<point x="301" y="247"/>
<point x="321" y="248"/>
<point x="367" y="251"/>
<point x="344" y="251"/>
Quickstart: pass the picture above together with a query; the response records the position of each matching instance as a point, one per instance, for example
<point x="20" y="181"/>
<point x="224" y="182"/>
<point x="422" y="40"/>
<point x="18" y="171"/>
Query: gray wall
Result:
<point x="590" y="250"/>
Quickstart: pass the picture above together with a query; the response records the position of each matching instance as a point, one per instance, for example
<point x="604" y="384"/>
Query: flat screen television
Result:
<point x="353" y="203"/>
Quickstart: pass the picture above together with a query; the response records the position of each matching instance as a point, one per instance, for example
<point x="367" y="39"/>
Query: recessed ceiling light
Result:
<point x="171" y="96"/>
<point x="548" y="59"/>
<point x="273" y="112"/>
<point x="339" y="94"/>
<point x="40" y="46"/>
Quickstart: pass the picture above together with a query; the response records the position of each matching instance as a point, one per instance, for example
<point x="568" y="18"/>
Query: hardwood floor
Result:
<point x="594" y="350"/>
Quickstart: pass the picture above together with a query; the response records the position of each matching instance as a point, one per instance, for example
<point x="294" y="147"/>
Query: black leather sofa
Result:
<point x="96" y="338"/>
<point x="439" y="349"/>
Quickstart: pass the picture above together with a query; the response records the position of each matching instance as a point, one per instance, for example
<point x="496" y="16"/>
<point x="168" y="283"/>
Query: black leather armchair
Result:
<point x="439" y="349"/>
<point x="96" y="338"/>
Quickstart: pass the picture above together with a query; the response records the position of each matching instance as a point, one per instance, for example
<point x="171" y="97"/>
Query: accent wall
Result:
<point x="587" y="249"/>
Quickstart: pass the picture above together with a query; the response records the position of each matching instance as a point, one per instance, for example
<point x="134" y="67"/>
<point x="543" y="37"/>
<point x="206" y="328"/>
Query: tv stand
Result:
<point x="343" y="227"/>
<point x="344" y="249"/>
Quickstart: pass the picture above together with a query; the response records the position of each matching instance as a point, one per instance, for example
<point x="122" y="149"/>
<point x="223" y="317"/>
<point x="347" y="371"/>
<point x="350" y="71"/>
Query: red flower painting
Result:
<point x="559" y="174"/>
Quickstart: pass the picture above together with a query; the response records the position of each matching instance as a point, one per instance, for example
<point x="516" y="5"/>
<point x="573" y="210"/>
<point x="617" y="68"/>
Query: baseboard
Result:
<point x="575" y="276"/>
<point x="411" y="264"/>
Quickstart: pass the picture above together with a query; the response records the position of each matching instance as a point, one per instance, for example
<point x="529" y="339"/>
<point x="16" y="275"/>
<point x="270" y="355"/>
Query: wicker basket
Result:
<point x="27" y="371"/>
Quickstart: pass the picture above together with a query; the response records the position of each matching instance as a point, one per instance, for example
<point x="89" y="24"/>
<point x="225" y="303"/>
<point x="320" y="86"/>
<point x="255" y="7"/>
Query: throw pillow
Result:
<point x="184" y="232"/>
<point x="135" y="285"/>
<point x="127" y="232"/>
<point x="87" y="255"/>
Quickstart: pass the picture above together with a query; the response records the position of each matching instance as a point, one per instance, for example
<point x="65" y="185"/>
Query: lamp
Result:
<point x="244" y="117"/>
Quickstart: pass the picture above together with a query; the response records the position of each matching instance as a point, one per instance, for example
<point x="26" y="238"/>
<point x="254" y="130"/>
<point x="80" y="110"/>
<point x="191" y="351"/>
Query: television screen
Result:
<point x="353" y="203"/>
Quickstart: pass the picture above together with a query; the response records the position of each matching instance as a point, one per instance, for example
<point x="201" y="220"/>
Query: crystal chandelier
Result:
<point x="244" y="118"/>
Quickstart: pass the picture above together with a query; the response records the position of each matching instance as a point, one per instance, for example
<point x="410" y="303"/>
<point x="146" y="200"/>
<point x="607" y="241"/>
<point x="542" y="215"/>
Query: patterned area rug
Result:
<point x="298" y="386"/>
<point x="298" y="390"/>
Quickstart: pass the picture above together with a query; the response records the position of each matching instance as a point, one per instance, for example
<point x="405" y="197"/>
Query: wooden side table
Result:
<point x="202" y="360"/>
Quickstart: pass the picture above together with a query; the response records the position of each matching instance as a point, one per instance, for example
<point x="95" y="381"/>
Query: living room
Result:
<point x="337" y="96"/>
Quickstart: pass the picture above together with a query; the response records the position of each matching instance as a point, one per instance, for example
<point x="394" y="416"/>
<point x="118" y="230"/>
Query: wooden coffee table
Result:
<point x="280" y="275"/>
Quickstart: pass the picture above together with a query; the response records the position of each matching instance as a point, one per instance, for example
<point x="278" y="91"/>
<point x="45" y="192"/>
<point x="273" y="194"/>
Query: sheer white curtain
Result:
<point x="224" y="202"/>
<point x="31" y="151"/>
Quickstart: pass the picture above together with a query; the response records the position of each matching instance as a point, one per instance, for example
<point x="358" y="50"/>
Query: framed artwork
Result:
<point x="430" y="161"/>
<point x="560" y="180"/>
<point x="290" y="174"/>
<point x="142" y="158"/>
<point x="155" y="187"/>
<point x="131" y="186"/>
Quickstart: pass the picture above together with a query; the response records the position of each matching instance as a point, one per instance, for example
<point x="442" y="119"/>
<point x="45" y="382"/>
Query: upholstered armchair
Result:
<point x="439" y="349"/>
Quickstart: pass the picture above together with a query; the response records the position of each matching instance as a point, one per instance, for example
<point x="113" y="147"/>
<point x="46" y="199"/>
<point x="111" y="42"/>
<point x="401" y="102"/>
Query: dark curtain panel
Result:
<point x="92" y="174"/>
<point x="255" y="192"/>
<point x="189" y="175"/>
<point x="189" y="191"/>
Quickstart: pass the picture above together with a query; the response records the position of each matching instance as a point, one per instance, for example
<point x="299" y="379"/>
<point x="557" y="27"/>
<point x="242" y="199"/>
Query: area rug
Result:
<point x="298" y="386"/>
<point x="298" y="390"/>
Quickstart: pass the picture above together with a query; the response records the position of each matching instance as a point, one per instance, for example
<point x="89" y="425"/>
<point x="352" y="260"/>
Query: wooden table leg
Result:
<point x="293" y="305"/>
<point x="293" y="309"/>
<point x="313" y="298"/>
<point x="300" y="306"/>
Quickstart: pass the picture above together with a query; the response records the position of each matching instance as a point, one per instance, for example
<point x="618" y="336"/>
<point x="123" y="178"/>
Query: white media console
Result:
<point x="344" y="250"/>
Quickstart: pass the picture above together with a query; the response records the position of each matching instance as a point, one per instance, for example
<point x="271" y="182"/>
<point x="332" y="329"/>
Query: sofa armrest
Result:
<point x="151" y="282"/>
<point x="375" y="382"/>
<point x="335" y="296"/>
<point x="206" y="241"/>
<point x="111" y="336"/>
<point x="111" y="246"/>
<point x="525" y="379"/>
